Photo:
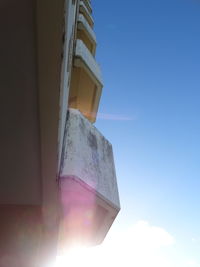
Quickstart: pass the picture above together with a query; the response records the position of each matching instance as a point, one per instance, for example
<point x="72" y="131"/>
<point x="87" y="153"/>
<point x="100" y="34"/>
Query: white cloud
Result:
<point x="192" y="263"/>
<point x="142" y="245"/>
<point x="114" y="117"/>
<point x="145" y="235"/>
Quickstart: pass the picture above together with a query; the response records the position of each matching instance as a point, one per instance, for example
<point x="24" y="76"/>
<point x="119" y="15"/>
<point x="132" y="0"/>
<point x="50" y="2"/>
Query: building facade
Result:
<point x="58" y="183"/>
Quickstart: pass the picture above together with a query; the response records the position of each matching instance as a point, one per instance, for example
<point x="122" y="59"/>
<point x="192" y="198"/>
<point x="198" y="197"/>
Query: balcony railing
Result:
<point x="86" y="83"/>
<point x="84" y="57"/>
<point x="88" y="5"/>
<point x="84" y="10"/>
<point x="86" y="34"/>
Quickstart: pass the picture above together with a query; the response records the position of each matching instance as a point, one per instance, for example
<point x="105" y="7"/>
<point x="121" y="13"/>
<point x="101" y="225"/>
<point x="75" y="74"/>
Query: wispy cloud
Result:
<point x="114" y="117"/>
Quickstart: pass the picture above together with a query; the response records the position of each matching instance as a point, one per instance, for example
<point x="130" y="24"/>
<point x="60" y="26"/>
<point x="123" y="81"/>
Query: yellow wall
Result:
<point x="82" y="92"/>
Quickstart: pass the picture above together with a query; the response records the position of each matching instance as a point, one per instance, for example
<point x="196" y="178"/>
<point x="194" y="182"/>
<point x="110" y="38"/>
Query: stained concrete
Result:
<point x="88" y="185"/>
<point x="89" y="156"/>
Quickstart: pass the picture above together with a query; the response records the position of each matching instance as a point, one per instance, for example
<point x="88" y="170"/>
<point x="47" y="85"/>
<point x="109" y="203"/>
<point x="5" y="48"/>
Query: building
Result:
<point x="58" y="183"/>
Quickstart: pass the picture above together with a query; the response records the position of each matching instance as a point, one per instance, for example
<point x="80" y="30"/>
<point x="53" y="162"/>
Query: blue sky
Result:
<point x="149" y="52"/>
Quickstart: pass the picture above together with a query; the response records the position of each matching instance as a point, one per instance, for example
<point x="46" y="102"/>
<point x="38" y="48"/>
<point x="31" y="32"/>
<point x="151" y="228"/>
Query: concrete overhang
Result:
<point x="86" y="83"/>
<point x="84" y="10"/>
<point x="90" y="39"/>
<point x="88" y="185"/>
<point x="30" y="112"/>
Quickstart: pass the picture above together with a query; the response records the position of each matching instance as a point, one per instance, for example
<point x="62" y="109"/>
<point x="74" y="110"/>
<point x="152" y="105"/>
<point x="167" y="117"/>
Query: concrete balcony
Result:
<point x="86" y="82"/>
<point x="84" y="10"/>
<point x="83" y="54"/>
<point x="88" y="186"/>
<point x="86" y="34"/>
<point x="88" y="5"/>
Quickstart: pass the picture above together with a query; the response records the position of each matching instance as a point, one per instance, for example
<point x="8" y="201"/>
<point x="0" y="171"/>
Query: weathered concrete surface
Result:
<point x="70" y="17"/>
<point x="89" y="156"/>
<point x="88" y="181"/>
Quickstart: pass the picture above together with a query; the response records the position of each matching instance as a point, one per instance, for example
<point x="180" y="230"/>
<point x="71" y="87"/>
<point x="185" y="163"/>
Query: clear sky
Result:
<point x="149" y="52"/>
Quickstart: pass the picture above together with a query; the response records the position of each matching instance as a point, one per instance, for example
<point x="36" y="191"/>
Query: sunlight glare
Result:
<point x="79" y="257"/>
<point x="142" y="245"/>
